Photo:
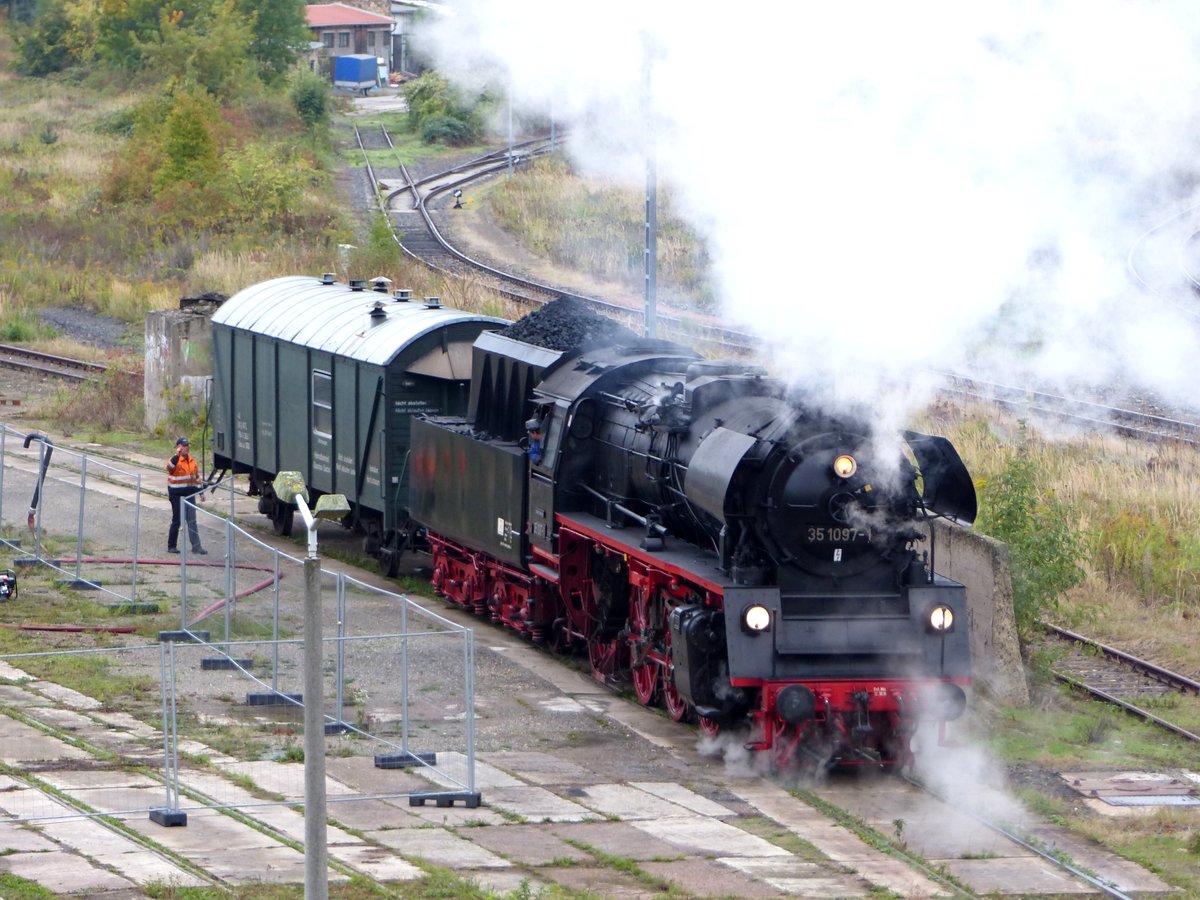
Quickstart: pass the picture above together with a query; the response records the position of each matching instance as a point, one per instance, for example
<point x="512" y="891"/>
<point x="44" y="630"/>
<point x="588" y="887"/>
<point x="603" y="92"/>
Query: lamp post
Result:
<point x="289" y="487"/>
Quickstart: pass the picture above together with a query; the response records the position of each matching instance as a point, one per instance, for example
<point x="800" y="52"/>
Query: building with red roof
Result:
<point x="343" y="30"/>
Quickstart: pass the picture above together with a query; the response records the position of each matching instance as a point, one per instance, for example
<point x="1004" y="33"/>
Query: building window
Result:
<point x="371" y="39"/>
<point x="322" y="403"/>
<point x="343" y="39"/>
<point x="327" y="39"/>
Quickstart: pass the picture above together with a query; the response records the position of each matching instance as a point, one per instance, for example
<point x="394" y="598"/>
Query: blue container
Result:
<point x="357" y="72"/>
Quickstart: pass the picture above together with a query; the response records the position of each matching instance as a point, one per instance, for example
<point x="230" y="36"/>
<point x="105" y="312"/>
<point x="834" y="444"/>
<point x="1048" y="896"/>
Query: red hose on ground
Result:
<point x="253" y="589"/>
<point x="102" y="629"/>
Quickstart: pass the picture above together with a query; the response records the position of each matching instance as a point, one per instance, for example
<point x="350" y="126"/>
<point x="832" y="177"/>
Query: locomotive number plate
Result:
<point x="836" y="534"/>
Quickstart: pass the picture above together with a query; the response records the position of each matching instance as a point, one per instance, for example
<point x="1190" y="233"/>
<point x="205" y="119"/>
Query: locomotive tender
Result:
<point x="733" y="553"/>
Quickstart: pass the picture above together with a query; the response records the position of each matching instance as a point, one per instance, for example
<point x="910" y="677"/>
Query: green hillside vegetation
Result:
<point x="155" y="169"/>
<point x="152" y="151"/>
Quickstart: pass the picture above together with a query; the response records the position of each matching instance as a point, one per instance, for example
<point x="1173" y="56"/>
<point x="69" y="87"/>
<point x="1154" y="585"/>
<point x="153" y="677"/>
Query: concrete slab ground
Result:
<point x="546" y="820"/>
<point x="573" y="780"/>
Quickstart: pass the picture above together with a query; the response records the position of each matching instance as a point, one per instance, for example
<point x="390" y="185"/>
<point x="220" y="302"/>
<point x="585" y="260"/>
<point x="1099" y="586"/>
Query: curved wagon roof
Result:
<point x="335" y="318"/>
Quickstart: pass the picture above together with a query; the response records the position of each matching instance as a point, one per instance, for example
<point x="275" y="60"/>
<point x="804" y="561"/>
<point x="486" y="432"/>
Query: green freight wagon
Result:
<point x="323" y="378"/>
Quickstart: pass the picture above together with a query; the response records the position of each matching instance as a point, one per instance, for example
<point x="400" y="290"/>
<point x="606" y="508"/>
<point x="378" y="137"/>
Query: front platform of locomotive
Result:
<point x="838" y="632"/>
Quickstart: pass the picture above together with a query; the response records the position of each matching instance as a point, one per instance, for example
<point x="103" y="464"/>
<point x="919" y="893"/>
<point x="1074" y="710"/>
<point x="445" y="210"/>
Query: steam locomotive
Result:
<point x="728" y="550"/>
<point x="733" y="554"/>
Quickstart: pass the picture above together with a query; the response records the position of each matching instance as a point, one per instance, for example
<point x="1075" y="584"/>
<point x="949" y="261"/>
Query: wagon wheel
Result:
<point x="708" y="727"/>
<point x="645" y="672"/>
<point x="281" y="518"/>
<point x="677" y="707"/>
<point x="559" y="641"/>
<point x="389" y="562"/>
<point x="391" y="550"/>
<point x="783" y="750"/>
<point x="605" y="656"/>
<point x="895" y="745"/>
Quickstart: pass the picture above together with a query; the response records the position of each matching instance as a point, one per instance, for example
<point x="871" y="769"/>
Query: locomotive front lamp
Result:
<point x="845" y="466"/>
<point x="756" y="619"/>
<point x="941" y="619"/>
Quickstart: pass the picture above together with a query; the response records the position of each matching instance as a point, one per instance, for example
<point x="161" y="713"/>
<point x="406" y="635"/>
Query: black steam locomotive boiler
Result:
<point x="733" y="553"/>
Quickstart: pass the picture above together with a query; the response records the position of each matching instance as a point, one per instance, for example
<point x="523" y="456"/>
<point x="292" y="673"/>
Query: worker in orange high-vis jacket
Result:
<point x="183" y="481"/>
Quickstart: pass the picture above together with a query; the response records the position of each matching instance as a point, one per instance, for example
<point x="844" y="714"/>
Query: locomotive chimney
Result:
<point x="327" y="278"/>
<point x="358" y="284"/>
<point x="433" y="303"/>
<point x="378" y="314"/>
<point x="381" y="283"/>
<point x="403" y="295"/>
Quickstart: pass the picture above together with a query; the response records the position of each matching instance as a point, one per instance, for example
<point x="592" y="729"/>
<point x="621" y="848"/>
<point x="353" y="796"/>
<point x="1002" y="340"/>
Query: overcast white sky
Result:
<point x="948" y="185"/>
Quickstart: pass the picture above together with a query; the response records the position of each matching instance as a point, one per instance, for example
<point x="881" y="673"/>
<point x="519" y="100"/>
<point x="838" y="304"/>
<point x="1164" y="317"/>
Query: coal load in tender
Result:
<point x="566" y="324"/>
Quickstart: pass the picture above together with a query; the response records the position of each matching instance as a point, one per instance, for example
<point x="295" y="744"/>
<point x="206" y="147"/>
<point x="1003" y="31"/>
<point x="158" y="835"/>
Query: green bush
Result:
<point x="188" y="138"/>
<point x="447" y="130"/>
<point x="429" y="95"/>
<point x="310" y="97"/>
<point x="45" y="45"/>
<point x="20" y="329"/>
<point x="438" y="112"/>
<point x="1044" y="550"/>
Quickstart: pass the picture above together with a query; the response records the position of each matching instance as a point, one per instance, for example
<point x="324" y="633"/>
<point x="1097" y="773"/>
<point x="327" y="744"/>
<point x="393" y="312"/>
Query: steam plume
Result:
<point x="942" y="186"/>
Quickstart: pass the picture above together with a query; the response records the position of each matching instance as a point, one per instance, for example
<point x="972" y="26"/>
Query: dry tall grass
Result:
<point x="1137" y="507"/>
<point x="600" y="229"/>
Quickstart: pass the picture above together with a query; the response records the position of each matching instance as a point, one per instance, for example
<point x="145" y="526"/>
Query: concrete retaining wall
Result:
<point x="981" y="564"/>
<point x="178" y="364"/>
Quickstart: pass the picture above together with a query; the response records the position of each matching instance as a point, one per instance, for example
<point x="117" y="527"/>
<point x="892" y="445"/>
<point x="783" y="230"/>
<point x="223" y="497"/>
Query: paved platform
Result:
<point x="545" y="820"/>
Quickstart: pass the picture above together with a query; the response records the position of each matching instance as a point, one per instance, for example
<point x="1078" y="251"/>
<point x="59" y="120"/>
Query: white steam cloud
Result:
<point x="892" y="188"/>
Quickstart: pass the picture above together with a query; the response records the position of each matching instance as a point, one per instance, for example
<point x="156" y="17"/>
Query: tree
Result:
<point x="126" y="28"/>
<point x="20" y="10"/>
<point x="210" y="52"/>
<point x="280" y="32"/>
<point x="43" y="47"/>
<point x="438" y="110"/>
<point x="189" y="142"/>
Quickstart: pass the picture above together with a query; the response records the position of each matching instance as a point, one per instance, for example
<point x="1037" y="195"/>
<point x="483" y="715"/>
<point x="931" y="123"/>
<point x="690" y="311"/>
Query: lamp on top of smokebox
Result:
<point x="458" y="199"/>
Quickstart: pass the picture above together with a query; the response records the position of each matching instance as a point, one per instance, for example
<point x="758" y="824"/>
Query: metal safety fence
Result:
<point x="76" y="514"/>
<point x="200" y="703"/>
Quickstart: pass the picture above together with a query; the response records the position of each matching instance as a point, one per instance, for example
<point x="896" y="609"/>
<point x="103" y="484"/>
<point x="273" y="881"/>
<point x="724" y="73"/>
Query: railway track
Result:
<point x="1055" y="859"/>
<point x="1088" y="414"/>
<point x="417" y="232"/>
<point x="1122" y="679"/>
<point x="12" y="357"/>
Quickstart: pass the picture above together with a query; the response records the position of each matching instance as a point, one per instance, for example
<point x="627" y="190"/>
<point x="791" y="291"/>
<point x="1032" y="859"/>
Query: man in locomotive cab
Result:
<point x="534" y="429"/>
